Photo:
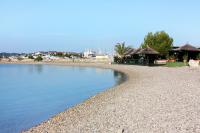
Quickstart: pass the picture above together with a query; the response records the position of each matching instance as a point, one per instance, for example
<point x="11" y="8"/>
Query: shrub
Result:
<point x="198" y="56"/>
<point x="172" y="57"/>
<point x="39" y="58"/>
<point x="30" y="57"/>
<point x="19" y="58"/>
<point x="118" y="60"/>
<point x="185" y="57"/>
<point x="60" y="54"/>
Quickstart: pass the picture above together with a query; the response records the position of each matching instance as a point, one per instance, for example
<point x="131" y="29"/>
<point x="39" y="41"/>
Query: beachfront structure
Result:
<point x="186" y="50"/>
<point x="141" y="56"/>
<point x="89" y="53"/>
<point x="148" y="54"/>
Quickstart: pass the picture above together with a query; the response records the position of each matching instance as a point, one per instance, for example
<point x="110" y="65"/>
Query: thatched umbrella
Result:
<point x="186" y="52"/>
<point x="129" y="52"/>
<point x="187" y="47"/>
<point x="148" y="55"/>
<point x="135" y="51"/>
<point x="147" y="51"/>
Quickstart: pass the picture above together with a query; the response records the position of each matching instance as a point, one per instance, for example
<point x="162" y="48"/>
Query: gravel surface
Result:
<point x="152" y="100"/>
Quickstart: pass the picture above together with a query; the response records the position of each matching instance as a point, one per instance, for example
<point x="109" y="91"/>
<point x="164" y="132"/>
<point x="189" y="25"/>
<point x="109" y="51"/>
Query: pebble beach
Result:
<point x="151" y="100"/>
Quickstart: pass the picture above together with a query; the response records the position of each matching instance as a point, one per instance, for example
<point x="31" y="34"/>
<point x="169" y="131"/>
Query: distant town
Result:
<point x="157" y="49"/>
<point x="54" y="56"/>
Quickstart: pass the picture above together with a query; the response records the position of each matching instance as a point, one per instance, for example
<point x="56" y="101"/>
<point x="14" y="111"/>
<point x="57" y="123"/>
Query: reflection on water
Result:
<point x="119" y="77"/>
<point x="38" y="68"/>
<point x="81" y="69"/>
<point x="100" y="70"/>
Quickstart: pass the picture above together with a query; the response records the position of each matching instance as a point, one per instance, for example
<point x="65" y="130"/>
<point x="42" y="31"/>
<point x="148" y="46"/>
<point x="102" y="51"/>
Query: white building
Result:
<point x="89" y="53"/>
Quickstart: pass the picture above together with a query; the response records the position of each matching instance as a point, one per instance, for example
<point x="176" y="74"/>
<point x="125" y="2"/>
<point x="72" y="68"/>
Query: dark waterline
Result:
<point x="30" y="94"/>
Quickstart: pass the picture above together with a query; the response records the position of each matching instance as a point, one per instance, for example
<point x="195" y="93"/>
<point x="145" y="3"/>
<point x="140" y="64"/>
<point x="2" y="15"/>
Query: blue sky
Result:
<point x="63" y="25"/>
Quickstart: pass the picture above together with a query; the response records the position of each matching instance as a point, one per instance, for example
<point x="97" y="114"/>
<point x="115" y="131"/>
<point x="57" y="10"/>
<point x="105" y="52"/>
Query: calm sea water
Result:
<point x="30" y="94"/>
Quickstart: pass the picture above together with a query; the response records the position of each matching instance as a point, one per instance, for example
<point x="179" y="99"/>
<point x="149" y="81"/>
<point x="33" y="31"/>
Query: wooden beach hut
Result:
<point x="129" y="52"/>
<point x="186" y="50"/>
<point x="128" y="56"/>
<point x="147" y="55"/>
<point x="142" y="56"/>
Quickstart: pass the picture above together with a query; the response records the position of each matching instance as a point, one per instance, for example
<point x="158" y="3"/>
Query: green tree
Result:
<point x="121" y="49"/>
<point x="19" y="58"/>
<point x="159" y="41"/>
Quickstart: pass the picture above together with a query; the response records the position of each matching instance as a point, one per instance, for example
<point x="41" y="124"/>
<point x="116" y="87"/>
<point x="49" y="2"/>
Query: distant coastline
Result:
<point x="104" y="61"/>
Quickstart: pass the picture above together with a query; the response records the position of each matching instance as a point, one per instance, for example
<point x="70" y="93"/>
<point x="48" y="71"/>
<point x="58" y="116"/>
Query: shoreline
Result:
<point x="95" y="65"/>
<point x="152" y="99"/>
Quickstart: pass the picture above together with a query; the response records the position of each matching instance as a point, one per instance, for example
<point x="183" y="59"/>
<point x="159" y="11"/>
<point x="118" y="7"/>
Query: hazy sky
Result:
<point x="32" y="25"/>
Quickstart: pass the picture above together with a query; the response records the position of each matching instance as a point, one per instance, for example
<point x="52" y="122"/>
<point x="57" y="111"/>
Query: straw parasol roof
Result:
<point x="136" y="51"/>
<point x="187" y="47"/>
<point x="129" y="52"/>
<point x="147" y="50"/>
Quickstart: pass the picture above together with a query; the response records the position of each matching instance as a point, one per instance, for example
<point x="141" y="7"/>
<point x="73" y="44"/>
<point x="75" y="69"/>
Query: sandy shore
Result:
<point x="153" y="99"/>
